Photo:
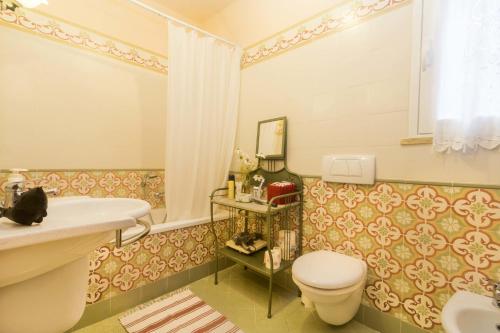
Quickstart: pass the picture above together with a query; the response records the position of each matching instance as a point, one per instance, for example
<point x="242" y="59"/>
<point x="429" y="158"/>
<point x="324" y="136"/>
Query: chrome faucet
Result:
<point x="496" y="291"/>
<point x="15" y="187"/>
<point x="147" y="179"/>
<point x="12" y="192"/>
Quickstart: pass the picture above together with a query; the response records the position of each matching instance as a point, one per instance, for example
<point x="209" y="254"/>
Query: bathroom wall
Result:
<point x="73" y="97"/>
<point x="263" y="18"/>
<point x="118" y="19"/>
<point x="421" y="242"/>
<point x="115" y="271"/>
<point x="342" y="79"/>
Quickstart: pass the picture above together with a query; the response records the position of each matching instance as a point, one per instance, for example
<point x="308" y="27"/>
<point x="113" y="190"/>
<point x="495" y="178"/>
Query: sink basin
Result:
<point x="73" y="228"/>
<point x="466" y="312"/>
<point x="45" y="266"/>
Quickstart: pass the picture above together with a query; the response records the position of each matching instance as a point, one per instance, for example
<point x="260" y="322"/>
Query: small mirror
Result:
<point x="271" y="139"/>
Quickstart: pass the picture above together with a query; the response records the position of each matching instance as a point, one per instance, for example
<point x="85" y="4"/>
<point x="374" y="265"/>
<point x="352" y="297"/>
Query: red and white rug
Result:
<point x="183" y="312"/>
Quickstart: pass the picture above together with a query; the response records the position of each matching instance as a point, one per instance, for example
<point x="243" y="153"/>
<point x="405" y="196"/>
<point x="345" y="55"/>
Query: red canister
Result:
<point x="279" y="188"/>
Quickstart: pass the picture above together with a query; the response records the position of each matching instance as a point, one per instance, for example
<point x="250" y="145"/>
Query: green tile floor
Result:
<point x="241" y="295"/>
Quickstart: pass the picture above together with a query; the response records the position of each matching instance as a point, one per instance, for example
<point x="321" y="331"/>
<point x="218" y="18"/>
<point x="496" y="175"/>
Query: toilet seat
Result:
<point x="328" y="270"/>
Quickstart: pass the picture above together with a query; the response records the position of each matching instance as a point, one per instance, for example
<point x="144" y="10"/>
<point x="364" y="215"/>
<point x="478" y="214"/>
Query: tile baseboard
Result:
<point x="122" y="302"/>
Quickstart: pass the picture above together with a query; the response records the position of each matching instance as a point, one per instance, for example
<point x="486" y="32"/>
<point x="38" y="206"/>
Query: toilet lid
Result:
<point x="328" y="270"/>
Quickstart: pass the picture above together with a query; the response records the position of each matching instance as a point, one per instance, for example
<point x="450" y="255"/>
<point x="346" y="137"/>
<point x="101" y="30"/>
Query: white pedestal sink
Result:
<point x="44" y="268"/>
<point x="466" y="312"/>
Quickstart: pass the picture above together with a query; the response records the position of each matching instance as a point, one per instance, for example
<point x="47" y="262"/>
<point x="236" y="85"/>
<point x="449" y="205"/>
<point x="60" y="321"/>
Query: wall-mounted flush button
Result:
<point x="340" y="168"/>
<point x="356" y="169"/>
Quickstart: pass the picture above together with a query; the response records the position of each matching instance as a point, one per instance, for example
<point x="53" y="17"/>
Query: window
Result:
<point x="456" y="74"/>
<point x="422" y="116"/>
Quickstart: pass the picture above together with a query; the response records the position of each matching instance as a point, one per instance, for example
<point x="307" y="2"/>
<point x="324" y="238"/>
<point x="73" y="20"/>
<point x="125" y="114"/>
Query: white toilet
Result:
<point x="332" y="282"/>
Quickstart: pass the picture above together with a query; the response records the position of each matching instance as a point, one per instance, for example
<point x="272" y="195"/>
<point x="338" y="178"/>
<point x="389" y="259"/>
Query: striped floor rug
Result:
<point x="183" y="312"/>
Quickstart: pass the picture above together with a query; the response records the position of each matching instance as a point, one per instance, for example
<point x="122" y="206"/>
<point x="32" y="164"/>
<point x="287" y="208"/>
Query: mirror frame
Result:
<point x="281" y="156"/>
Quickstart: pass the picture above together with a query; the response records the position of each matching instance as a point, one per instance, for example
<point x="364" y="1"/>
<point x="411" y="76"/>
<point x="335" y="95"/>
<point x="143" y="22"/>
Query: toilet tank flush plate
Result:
<point x="354" y="169"/>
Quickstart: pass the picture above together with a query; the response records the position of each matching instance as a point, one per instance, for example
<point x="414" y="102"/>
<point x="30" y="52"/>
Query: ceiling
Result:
<point x="195" y="10"/>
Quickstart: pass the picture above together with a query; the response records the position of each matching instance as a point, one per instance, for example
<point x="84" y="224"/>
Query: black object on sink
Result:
<point x="30" y="207"/>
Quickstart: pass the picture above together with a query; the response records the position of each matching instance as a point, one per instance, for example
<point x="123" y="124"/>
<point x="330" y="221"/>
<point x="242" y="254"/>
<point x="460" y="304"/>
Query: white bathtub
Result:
<point x="158" y="215"/>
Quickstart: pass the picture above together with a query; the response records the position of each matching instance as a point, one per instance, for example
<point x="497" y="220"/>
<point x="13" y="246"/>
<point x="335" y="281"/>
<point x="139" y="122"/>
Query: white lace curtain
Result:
<point x="468" y="75"/>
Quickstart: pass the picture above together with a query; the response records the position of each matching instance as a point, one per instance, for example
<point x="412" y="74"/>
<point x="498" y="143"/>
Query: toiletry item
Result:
<point x="239" y="187"/>
<point x="243" y="197"/>
<point x="287" y="241"/>
<point x="276" y="253"/>
<point x="230" y="187"/>
<point x="257" y="191"/>
<point x="280" y="188"/>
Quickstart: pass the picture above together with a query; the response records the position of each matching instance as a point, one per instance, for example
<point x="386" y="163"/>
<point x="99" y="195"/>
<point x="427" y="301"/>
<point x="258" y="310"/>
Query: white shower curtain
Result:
<point x="203" y="94"/>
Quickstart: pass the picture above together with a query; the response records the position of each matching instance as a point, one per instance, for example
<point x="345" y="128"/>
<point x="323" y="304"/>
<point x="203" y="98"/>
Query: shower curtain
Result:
<point x="203" y="95"/>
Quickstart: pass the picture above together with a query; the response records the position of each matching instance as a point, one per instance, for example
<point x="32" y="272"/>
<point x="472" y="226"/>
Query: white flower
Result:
<point x="247" y="163"/>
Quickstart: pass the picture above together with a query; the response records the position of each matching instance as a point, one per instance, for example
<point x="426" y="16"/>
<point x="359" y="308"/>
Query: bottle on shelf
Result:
<point x="230" y="187"/>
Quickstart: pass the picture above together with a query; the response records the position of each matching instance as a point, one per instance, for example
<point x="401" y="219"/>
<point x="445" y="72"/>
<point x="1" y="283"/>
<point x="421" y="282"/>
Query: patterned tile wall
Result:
<point x="118" y="270"/>
<point x="97" y="183"/>
<point x="114" y="271"/>
<point x="421" y="242"/>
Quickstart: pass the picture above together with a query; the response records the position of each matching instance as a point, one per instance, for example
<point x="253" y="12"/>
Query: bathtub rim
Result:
<point x="164" y="227"/>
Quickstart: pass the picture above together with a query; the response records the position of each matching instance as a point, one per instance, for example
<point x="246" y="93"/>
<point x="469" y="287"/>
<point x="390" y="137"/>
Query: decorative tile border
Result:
<point x="334" y="20"/>
<point x="72" y="35"/>
<point x="97" y="183"/>
<point x="421" y="242"/>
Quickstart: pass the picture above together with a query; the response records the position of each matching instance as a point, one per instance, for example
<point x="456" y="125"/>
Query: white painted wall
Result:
<point x="349" y="93"/>
<point x="61" y="107"/>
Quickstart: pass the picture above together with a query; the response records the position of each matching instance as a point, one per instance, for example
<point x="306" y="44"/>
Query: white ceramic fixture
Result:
<point x="466" y="312"/>
<point x="331" y="282"/>
<point x="355" y="169"/>
<point x="44" y="267"/>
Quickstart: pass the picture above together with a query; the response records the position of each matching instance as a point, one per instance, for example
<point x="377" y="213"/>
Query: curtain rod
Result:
<point x="171" y="18"/>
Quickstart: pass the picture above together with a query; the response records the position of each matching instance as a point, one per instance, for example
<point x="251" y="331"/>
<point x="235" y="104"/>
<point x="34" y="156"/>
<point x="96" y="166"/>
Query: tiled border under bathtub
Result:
<point x="119" y="303"/>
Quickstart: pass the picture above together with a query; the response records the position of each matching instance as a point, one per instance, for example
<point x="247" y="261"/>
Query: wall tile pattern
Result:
<point x="421" y="242"/>
<point x="118" y="270"/>
<point x="97" y="183"/>
<point x="336" y="19"/>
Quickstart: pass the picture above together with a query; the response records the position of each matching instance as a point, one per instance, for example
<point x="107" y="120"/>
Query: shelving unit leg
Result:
<point x="216" y="279"/>
<point x="270" y="304"/>
<point x="269" y="248"/>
